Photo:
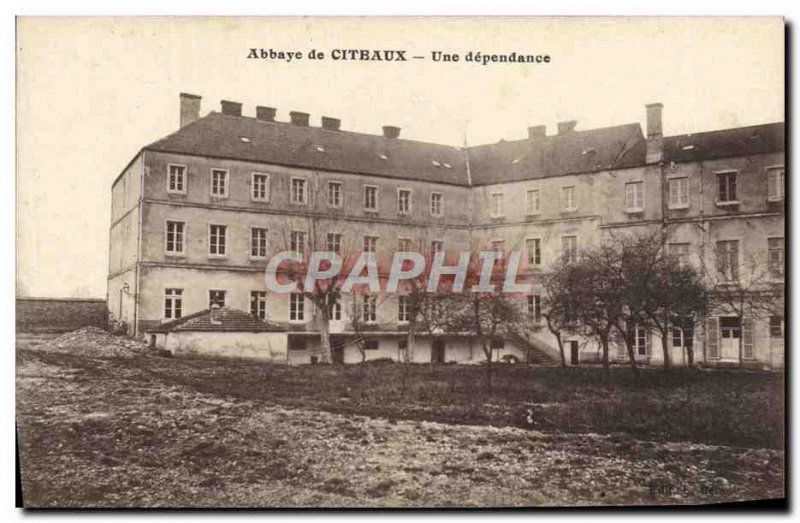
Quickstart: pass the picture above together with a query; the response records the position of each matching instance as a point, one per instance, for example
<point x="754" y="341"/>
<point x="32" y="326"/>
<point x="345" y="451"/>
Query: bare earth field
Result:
<point x="138" y="430"/>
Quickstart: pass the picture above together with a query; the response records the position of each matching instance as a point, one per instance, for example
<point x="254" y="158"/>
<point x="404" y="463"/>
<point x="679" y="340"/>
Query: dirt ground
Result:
<point x="138" y="432"/>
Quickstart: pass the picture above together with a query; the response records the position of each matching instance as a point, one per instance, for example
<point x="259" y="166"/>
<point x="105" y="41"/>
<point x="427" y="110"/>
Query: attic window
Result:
<point x="448" y="166"/>
<point x="590" y="150"/>
<point x="437" y="164"/>
<point x="245" y="139"/>
<point x="688" y="147"/>
<point x="383" y="157"/>
<point x="320" y="148"/>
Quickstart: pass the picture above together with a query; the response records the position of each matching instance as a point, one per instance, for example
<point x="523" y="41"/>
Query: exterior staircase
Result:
<point x="539" y="352"/>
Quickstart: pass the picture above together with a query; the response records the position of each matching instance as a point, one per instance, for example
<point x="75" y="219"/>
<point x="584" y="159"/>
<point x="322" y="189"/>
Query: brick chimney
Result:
<point x="567" y="127"/>
<point x="231" y="108"/>
<point x="266" y="114"/>
<point x="331" y="124"/>
<point x="537" y="131"/>
<point x="215" y="316"/>
<point x="655" y="133"/>
<point x="390" y="131"/>
<point x="299" y="118"/>
<point x="190" y="108"/>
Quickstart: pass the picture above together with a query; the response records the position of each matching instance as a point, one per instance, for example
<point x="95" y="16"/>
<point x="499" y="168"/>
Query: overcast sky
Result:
<point x="92" y="92"/>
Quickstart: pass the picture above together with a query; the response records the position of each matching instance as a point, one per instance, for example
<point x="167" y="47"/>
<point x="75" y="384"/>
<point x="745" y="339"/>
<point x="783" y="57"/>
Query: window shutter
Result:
<point x="712" y="337"/>
<point x="622" y="351"/>
<point x="647" y="343"/>
<point x="747" y="339"/>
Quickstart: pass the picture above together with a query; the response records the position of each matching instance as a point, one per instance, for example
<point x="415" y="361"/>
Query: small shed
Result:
<point x="222" y="333"/>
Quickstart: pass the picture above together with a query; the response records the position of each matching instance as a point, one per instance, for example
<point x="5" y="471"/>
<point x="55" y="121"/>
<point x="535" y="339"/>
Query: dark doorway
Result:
<point x="573" y="352"/>
<point x="337" y="349"/>
<point x="437" y="351"/>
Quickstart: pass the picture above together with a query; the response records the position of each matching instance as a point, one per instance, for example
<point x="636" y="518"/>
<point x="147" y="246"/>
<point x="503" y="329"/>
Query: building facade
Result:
<point x="196" y="215"/>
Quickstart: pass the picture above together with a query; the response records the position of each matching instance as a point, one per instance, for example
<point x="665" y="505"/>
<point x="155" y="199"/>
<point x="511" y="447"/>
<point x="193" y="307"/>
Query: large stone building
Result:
<point x="196" y="214"/>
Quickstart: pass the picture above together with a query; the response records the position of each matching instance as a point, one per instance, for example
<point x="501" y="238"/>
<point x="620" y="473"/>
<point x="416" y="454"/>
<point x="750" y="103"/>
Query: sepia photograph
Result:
<point x="400" y="262"/>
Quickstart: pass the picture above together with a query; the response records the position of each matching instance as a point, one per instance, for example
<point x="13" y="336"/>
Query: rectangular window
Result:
<point x="176" y="179"/>
<point x="297" y="241"/>
<point x="532" y="201"/>
<point x="216" y="239"/>
<point x="174" y="239"/>
<point x="219" y="183"/>
<point x="569" y="248"/>
<point x="334" y="194"/>
<point x="437" y="246"/>
<point x="640" y="341"/>
<point x="775" y="257"/>
<point x="535" y="308"/>
<point x="726" y="183"/>
<point x="173" y="304"/>
<point x="568" y="199"/>
<point x="297" y="304"/>
<point x="334" y="242"/>
<point x="369" y="309"/>
<point x="634" y="196"/>
<point x="403" y="201"/>
<point x="679" y="193"/>
<point x="728" y="259"/>
<point x="216" y="297"/>
<point x="677" y="337"/>
<point x="533" y="249"/>
<point x="403" y="311"/>
<point x="370" y="244"/>
<point x="260" y="186"/>
<point x="437" y="204"/>
<point x="335" y="311"/>
<point x="299" y="194"/>
<point x="370" y="344"/>
<point x="775" y="183"/>
<point x="404" y="245"/>
<point x="258" y="304"/>
<point x="258" y="242"/>
<point x="497" y="205"/>
<point x="730" y="327"/>
<point x="370" y="198"/>
<point x="776" y="326"/>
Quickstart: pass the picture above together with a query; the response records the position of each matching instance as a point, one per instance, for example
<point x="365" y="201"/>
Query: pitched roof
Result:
<point x="245" y="138"/>
<point x="624" y="146"/>
<point x="230" y="320"/>
<point x="742" y="141"/>
<point x="574" y="152"/>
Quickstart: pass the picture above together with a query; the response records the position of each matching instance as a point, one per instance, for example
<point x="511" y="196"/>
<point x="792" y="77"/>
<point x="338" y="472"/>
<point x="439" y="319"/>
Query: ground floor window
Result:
<point x="776" y="326"/>
<point x="173" y="303"/>
<point x="258" y="304"/>
<point x="216" y="297"/>
<point x="640" y="340"/>
<point x="335" y="310"/>
<point x="370" y="344"/>
<point x="296" y="307"/>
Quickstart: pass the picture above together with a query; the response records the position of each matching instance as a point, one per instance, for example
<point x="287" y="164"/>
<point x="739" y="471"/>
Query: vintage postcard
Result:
<point x="277" y="262"/>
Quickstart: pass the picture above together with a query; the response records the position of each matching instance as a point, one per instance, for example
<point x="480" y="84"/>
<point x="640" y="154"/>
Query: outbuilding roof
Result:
<point x="228" y="320"/>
